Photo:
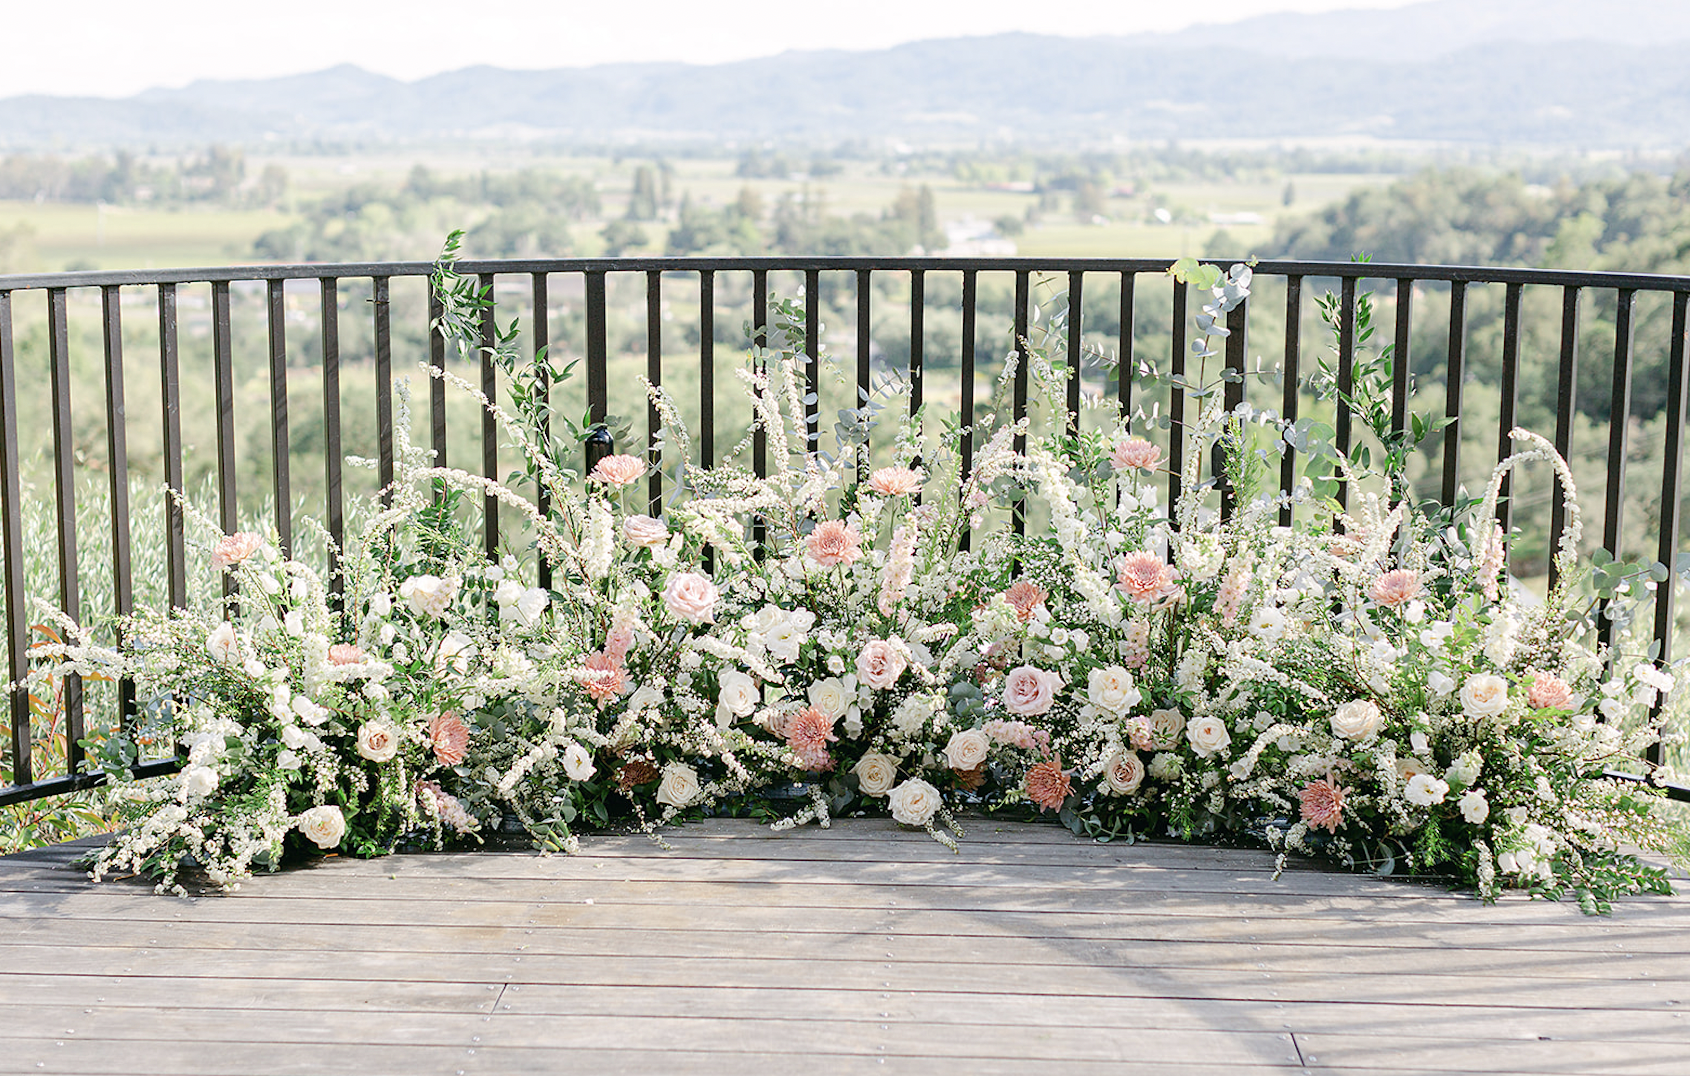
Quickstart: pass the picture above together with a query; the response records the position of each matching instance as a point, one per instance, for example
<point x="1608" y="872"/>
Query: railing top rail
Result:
<point x="1339" y="270"/>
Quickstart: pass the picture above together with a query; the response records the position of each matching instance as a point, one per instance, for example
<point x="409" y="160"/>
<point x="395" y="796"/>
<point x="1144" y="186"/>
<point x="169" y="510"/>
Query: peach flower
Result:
<point x="1135" y="453"/>
<point x="1029" y="691"/>
<point x="880" y="664"/>
<point x="1047" y="784"/>
<point x="1143" y="577"/>
<point x="605" y="678"/>
<point x="449" y="737"/>
<point x="894" y="481"/>
<point x="619" y="470"/>
<point x="834" y="542"/>
<point x="1323" y="805"/>
<point x="691" y="597"/>
<point x="1025" y="598"/>
<point x="1549" y="691"/>
<point x="644" y="531"/>
<point x="1395" y="588"/>
<point x="808" y="733"/>
<point x="234" y="548"/>
<point x="345" y="654"/>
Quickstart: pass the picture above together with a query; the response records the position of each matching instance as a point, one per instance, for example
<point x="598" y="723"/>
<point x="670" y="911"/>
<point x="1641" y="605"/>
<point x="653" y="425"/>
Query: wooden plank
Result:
<point x="1359" y="1053"/>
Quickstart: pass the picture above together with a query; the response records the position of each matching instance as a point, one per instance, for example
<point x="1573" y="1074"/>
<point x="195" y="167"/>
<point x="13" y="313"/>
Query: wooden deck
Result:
<point x="863" y="949"/>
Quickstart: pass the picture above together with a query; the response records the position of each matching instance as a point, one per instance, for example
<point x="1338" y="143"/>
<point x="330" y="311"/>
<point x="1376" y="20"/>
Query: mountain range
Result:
<point x="1561" y="73"/>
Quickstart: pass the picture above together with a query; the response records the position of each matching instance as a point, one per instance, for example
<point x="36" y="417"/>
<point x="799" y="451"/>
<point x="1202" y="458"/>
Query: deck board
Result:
<point x="867" y="948"/>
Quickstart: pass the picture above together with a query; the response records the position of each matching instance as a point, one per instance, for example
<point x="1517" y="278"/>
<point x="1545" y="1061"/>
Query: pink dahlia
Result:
<point x="1395" y="588"/>
<point x="808" y="733"/>
<point x="1047" y="784"/>
<point x="231" y="549"/>
<point x="604" y="678"/>
<point x="1025" y="598"/>
<point x="1143" y="577"/>
<point x="449" y="737"/>
<point x="1135" y="453"/>
<point x="1549" y="691"/>
<point x="894" y="481"/>
<point x="345" y="654"/>
<point x="834" y="542"/>
<point x="1323" y="805"/>
<point x="619" y="470"/>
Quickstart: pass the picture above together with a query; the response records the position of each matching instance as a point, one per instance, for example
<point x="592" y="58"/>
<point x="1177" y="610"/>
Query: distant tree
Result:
<point x="621" y="236"/>
<point x="642" y="202"/>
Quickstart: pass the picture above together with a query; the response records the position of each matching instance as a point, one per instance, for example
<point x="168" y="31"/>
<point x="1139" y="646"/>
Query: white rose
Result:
<point x="1484" y="696"/>
<point x="1112" y="689"/>
<point x="220" y="644"/>
<point x="381" y="604"/>
<point x="875" y="773"/>
<point x="1208" y="735"/>
<point x="378" y="740"/>
<point x="644" y="531"/>
<point x="1268" y="624"/>
<point x="454" y="653"/>
<point x="914" y="803"/>
<point x="429" y="595"/>
<point x="737" y="692"/>
<point x="1439" y="684"/>
<point x="577" y="762"/>
<point x="1124" y="774"/>
<point x="679" y="785"/>
<point x="508" y="592"/>
<point x="1358" y="719"/>
<point x="295" y="738"/>
<point x="881" y="663"/>
<point x="1474" y="807"/>
<point x="1029" y="691"/>
<point x="830" y="696"/>
<point x="199" y="781"/>
<point x="1424" y="790"/>
<point x="783" y="641"/>
<point x="691" y="597"/>
<point x="967" y="749"/>
<point x="324" y="825"/>
<point x="529" y="606"/>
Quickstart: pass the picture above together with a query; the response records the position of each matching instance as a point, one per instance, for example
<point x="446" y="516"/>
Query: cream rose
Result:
<point x="1474" y="807"/>
<point x="1208" y="735"/>
<point x="881" y="663"/>
<point x="526" y="610"/>
<point x="644" y="531"/>
<point x="914" y="803"/>
<point x="1029" y="691"/>
<point x="378" y="740"/>
<point x="324" y="825"/>
<point x="578" y="762"/>
<point x="691" y="597"/>
<point x="679" y="785"/>
<point x="875" y="773"/>
<point x="1112" y="690"/>
<point x="1124" y="773"/>
<point x="220" y="644"/>
<point x="199" y="781"/>
<point x="830" y="697"/>
<point x="429" y="595"/>
<point x="967" y="749"/>
<point x="1484" y="696"/>
<point x="737" y="693"/>
<point x="1424" y="790"/>
<point x="1358" y="720"/>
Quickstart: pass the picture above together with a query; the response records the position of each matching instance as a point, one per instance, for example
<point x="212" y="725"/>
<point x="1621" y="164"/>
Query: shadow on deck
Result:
<point x="863" y="949"/>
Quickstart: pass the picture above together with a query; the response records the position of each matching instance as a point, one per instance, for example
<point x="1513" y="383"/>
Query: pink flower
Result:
<point x="604" y="678"/>
<point x="880" y="664"/>
<point x="1323" y="805"/>
<point x="834" y="543"/>
<point x="1143" y="577"/>
<point x="619" y="470"/>
<point x="894" y="481"/>
<point x="1047" y="784"/>
<point x="1395" y="588"/>
<point x="1025" y="598"/>
<point x="449" y="737"/>
<point x="620" y="639"/>
<point x="691" y="597"/>
<point x="1017" y="734"/>
<point x="644" y="531"/>
<point x="1550" y="692"/>
<point x="345" y="654"/>
<point x="1141" y="733"/>
<point x="234" y="548"/>
<point x="1135" y="453"/>
<point x="808" y="733"/>
<point x="1029" y="691"/>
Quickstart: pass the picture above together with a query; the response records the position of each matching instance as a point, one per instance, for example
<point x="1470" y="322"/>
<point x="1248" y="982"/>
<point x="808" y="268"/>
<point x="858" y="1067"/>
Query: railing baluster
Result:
<point x="11" y="540"/>
<point x="865" y="329"/>
<point x="759" y="342"/>
<point x="1076" y="339"/>
<point x="1289" y="392"/>
<point x="1400" y="354"/>
<point x="598" y="356"/>
<point x="812" y="352"/>
<point x="1023" y="289"/>
<point x="706" y="368"/>
<point x="540" y="329"/>
<point x="223" y="373"/>
<point x="918" y="327"/>
<point x="654" y="374"/>
<point x="1232" y="396"/>
<point x="1510" y="399"/>
<point x="117" y="456"/>
<point x="1566" y="396"/>
<point x="1176" y="398"/>
<point x="64" y="485"/>
<point x="1346" y="374"/>
<point x="1619" y="421"/>
<point x="1672" y="494"/>
<point x="970" y="299"/>
<point x="332" y="480"/>
<point x="436" y="386"/>
<point x="170" y="396"/>
<point x="279" y="457"/>
<point x="381" y="309"/>
<point x="1453" y="374"/>
<point x="1125" y="365"/>
<point x="489" y="326"/>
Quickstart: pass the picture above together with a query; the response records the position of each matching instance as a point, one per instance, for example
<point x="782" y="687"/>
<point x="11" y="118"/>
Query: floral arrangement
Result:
<point x="835" y="638"/>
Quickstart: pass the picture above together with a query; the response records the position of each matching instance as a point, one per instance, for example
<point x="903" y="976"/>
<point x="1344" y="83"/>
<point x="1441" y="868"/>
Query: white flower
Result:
<point x="1439" y="683"/>
<point x="784" y="639"/>
<point x="736" y="692"/>
<point x="1465" y="770"/>
<point x="644" y="698"/>
<point x="527" y="609"/>
<point x="220" y="644"/>
<point x="1269" y="624"/>
<point x="1112" y="690"/>
<point x="381" y="604"/>
<point x="577" y="762"/>
<point x="644" y="531"/>
<point x="679" y="785"/>
<point x="199" y="781"/>
<point x="297" y="739"/>
<point x="378" y="740"/>
<point x="912" y="714"/>
<point x="1358" y="719"/>
<point x="293" y="622"/>
<point x="429" y="595"/>
<point x="875" y="773"/>
<point x="454" y="653"/>
<point x="1418" y="742"/>
<point x="1474" y="807"/>
<point x="831" y="696"/>
<point x="309" y="712"/>
<point x="287" y="760"/>
<point x="914" y="803"/>
<point x="691" y="597"/>
<point x="1201" y="556"/>
<point x="507" y="593"/>
<point x="1208" y="735"/>
<point x="324" y="825"/>
<point x="1484" y="695"/>
<point x="1424" y="790"/>
<point x="1124" y="774"/>
<point x="967" y="749"/>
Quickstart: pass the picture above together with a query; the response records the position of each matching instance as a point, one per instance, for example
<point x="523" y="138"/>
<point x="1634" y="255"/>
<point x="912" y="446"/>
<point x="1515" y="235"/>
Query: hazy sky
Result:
<point x="117" y="47"/>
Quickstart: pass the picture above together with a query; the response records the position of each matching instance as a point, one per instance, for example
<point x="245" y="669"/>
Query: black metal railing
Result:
<point x="1137" y="284"/>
